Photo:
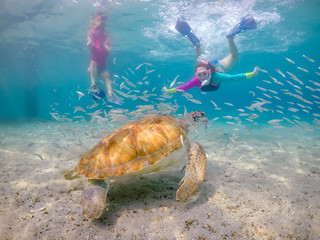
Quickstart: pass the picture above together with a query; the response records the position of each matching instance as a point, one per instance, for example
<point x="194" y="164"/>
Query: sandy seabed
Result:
<point x="260" y="184"/>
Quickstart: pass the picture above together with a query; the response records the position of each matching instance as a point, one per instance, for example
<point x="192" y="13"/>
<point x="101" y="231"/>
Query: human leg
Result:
<point x="229" y="61"/>
<point x="93" y="70"/>
<point x="106" y="76"/>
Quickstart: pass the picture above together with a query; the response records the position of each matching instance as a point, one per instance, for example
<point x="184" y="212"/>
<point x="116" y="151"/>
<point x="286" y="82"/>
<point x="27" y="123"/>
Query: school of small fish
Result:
<point x="289" y="97"/>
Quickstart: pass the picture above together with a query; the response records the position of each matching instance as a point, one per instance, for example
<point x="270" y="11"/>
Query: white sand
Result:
<point x="263" y="186"/>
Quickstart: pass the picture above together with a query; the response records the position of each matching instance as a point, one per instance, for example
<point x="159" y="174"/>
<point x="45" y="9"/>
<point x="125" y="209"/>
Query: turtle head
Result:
<point x="195" y="119"/>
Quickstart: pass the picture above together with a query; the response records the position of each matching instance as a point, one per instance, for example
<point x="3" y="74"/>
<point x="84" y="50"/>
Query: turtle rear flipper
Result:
<point x="93" y="199"/>
<point x="195" y="171"/>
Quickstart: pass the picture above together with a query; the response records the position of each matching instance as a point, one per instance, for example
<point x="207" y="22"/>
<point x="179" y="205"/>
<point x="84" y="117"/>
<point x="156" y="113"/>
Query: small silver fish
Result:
<point x="309" y="59"/>
<point x="262" y="70"/>
<point x="275" y="121"/>
<point x="253" y="116"/>
<point x="274" y="92"/>
<point x="310" y="88"/>
<point x="281" y="73"/>
<point x="276" y="97"/>
<point x="263" y="89"/>
<point x="293" y="109"/>
<point x="289" y="60"/>
<point x="93" y="105"/>
<point x="268" y="96"/>
<point x="174" y="81"/>
<point x="38" y="155"/>
<point x="194" y="101"/>
<point x="139" y="66"/>
<point x="214" y="104"/>
<point x="76" y="109"/>
<point x="229" y="104"/>
<point x="303" y="69"/>
<point x="80" y="94"/>
<point x="216" y="118"/>
<point x="150" y="71"/>
<point x="315" y="83"/>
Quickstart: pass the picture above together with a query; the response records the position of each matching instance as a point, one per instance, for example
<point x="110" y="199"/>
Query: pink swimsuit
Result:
<point x="99" y="53"/>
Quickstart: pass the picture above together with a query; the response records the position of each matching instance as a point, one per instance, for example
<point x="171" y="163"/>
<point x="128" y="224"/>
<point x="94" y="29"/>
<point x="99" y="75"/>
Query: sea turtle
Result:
<point x="142" y="146"/>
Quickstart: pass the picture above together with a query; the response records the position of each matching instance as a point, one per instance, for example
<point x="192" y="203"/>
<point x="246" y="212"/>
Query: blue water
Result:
<point x="44" y="58"/>
<point x="256" y="171"/>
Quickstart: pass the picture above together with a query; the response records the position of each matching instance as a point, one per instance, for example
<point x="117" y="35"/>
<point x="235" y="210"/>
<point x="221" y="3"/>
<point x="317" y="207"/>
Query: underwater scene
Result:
<point x="168" y="119"/>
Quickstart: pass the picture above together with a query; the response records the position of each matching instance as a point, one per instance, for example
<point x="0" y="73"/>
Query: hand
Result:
<point x="165" y="90"/>
<point x="255" y="71"/>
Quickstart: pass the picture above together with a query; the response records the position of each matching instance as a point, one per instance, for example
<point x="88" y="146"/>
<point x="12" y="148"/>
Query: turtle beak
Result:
<point x="206" y="123"/>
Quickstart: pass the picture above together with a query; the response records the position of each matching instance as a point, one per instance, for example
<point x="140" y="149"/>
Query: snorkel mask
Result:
<point x="204" y="76"/>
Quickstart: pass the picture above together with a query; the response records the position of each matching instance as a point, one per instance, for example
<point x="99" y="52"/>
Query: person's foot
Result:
<point x="193" y="38"/>
<point x="184" y="29"/>
<point x="93" y="88"/>
<point x="245" y="24"/>
<point x="97" y="92"/>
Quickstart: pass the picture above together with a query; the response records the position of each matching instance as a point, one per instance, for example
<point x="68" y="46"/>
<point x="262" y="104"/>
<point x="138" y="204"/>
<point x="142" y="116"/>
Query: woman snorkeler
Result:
<point x="208" y="78"/>
<point x="209" y="75"/>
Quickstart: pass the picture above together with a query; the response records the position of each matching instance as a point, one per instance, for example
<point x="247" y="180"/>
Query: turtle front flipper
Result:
<point x="93" y="199"/>
<point x="195" y="171"/>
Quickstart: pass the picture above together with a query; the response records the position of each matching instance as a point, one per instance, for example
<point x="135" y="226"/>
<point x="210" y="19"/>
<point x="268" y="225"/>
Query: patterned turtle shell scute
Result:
<point x="133" y="147"/>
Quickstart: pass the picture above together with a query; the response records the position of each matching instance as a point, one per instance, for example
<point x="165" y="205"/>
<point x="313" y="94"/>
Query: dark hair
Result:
<point x="207" y="66"/>
<point x="100" y="16"/>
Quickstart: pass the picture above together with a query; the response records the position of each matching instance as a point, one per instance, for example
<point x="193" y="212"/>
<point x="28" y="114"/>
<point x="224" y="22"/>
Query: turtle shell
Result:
<point x="133" y="147"/>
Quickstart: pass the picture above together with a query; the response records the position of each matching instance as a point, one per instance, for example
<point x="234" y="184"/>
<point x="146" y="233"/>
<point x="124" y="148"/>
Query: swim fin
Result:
<point x="184" y="29"/>
<point x="245" y="24"/>
<point x="97" y="93"/>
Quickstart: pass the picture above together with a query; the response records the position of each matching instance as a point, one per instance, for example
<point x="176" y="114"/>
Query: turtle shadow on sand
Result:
<point x="147" y="193"/>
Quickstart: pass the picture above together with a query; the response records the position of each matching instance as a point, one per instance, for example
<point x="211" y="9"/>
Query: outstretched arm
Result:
<point x="88" y="40"/>
<point x="222" y="77"/>
<point x="107" y="44"/>
<point x="194" y="82"/>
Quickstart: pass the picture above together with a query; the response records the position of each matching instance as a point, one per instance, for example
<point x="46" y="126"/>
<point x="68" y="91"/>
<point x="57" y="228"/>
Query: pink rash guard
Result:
<point x="194" y="82"/>
<point x="99" y="53"/>
<point x="217" y="77"/>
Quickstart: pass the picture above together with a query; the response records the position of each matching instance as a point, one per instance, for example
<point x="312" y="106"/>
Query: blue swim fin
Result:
<point x="98" y="93"/>
<point x="184" y="29"/>
<point x="245" y="24"/>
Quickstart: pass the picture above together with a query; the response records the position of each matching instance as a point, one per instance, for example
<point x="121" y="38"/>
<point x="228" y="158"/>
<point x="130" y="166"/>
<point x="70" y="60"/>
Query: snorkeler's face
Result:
<point x="203" y="74"/>
<point x="97" y="20"/>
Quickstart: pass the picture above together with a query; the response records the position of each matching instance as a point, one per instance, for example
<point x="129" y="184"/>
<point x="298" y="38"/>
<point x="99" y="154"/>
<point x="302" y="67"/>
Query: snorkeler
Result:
<point x="208" y="78"/>
<point x="209" y="75"/>
<point x="100" y="45"/>
<point x="225" y="64"/>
